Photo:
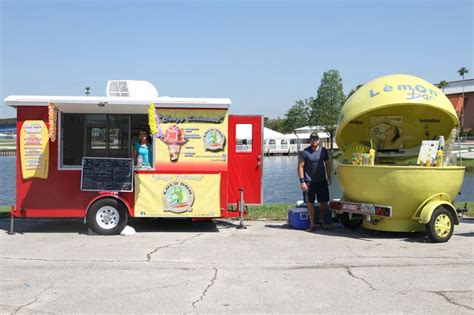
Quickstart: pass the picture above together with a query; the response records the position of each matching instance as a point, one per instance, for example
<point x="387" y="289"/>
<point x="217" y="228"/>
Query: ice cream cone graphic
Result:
<point x="174" y="138"/>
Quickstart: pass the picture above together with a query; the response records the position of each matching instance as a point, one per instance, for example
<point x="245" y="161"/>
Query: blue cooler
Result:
<point x="298" y="218"/>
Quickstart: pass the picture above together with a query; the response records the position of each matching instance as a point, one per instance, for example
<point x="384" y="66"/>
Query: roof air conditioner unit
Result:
<point x="131" y="88"/>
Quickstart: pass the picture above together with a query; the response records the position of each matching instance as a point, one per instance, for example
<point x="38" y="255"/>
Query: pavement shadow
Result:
<point x="173" y="225"/>
<point x="22" y="226"/>
<point x="77" y="226"/>
<point x="467" y="220"/>
<point x="338" y="230"/>
<point x="284" y="226"/>
<point x="468" y="234"/>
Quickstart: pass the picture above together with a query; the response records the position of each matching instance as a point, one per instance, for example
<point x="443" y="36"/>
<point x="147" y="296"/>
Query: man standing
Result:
<point x="314" y="171"/>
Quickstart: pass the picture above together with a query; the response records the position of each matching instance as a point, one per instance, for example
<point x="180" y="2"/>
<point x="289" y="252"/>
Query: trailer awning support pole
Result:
<point x="241" y="209"/>
<point x="12" y="221"/>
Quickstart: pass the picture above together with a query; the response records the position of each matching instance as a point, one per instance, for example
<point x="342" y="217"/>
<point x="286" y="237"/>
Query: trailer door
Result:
<point x="245" y="159"/>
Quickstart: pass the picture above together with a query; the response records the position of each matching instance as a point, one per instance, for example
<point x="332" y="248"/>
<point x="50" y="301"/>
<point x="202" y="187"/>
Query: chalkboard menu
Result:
<point x="107" y="174"/>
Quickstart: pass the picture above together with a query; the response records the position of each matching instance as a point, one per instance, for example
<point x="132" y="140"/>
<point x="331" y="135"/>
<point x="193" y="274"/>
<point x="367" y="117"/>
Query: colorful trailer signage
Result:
<point x="192" y="137"/>
<point x="170" y="195"/>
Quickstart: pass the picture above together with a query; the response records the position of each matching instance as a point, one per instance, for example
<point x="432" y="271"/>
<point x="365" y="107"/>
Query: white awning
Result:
<point x="114" y="105"/>
<point x="272" y="134"/>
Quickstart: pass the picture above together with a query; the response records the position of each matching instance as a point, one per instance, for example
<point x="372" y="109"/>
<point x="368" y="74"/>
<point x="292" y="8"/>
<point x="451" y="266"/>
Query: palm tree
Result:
<point x="463" y="71"/>
<point x="88" y="89"/>
<point x="443" y="84"/>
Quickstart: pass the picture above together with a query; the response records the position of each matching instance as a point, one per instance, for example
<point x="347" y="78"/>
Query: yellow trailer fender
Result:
<point x="427" y="208"/>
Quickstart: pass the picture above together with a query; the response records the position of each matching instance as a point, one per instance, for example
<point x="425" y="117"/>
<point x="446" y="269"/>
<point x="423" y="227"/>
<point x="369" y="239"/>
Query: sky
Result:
<point x="263" y="55"/>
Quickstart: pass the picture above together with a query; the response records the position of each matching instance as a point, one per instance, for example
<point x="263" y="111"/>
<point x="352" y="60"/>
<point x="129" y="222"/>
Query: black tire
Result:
<point x="352" y="224"/>
<point x="441" y="225"/>
<point x="107" y="216"/>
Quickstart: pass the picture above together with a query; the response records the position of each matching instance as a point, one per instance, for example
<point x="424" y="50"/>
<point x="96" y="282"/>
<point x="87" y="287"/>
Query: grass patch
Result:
<point x="271" y="211"/>
<point x="5" y="211"/>
<point x="469" y="164"/>
<point x="470" y="206"/>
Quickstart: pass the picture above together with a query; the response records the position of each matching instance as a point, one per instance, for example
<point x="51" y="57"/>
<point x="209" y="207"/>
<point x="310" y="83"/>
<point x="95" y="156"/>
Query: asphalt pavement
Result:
<point x="55" y="266"/>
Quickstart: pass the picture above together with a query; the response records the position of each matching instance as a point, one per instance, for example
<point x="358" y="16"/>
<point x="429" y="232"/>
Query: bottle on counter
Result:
<point x="439" y="158"/>
<point x="372" y="157"/>
<point x="442" y="147"/>
<point x="441" y="143"/>
<point x="449" y="155"/>
<point x="139" y="161"/>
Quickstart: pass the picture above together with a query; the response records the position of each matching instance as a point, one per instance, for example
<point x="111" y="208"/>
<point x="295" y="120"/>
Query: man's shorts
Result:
<point x="317" y="190"/>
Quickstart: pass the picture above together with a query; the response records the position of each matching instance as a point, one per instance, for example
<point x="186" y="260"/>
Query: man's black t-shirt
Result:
<point x="314" y="170"/>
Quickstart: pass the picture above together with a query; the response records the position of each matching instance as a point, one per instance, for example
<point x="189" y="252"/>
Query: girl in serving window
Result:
<point x="142" y="151"/>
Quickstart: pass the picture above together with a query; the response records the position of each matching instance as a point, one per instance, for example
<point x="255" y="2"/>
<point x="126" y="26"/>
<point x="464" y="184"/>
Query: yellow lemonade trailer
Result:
<point x="396" y="174"/>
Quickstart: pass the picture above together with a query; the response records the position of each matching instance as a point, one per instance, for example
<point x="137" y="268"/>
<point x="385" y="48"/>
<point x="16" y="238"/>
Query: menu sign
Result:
<point x="34" y="149"/>
<point x="107" y="174"/>
<point x="191" y="137"/>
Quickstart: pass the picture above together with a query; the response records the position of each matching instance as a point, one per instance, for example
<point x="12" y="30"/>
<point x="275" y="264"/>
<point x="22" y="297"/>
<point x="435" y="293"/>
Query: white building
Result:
<point x="302" y="136"/>
<point x="277" y="143"/>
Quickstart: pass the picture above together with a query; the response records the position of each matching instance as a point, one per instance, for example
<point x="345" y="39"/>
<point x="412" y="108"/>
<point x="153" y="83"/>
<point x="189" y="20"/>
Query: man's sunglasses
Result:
<point x="314" y="139"/>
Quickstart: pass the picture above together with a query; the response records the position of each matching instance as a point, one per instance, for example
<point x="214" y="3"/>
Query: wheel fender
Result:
<point x="108" y="195"/>
<point x="429" y="208"/>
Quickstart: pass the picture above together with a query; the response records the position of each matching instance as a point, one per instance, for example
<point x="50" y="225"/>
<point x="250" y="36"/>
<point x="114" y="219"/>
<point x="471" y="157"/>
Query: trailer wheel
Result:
<point x="441" y="225"/>
<point x="350" y="223"/>
<point x="107" y="216"/>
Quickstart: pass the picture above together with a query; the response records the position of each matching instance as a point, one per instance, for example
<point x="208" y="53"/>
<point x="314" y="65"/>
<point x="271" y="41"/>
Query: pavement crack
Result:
<point x="349" y="272"/>
<point x="34" y="300"/>
<point x="443" y="294"/>
<point x="350" y="250"/>
<point x="169" y="245"/>
<point x="201" y="298"/>
<point x="326" y="265"/>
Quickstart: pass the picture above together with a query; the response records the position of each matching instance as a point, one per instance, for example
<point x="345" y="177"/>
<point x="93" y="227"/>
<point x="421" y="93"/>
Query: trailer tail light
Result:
<point x="335" y="205"/>
<point x="383" y="211"/>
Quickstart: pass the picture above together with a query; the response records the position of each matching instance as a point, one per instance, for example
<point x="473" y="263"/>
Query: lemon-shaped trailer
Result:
<point x="400" y="191"/>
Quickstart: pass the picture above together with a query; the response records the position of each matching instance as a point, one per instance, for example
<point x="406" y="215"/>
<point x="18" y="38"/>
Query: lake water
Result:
<point x="281" y="184"/>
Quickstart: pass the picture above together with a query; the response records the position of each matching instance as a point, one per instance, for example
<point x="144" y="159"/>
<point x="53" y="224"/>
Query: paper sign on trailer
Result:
<point x="34" y="149"/>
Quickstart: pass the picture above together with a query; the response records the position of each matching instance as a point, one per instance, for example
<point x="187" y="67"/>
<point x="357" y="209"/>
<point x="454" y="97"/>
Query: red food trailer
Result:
<point x="77" y="157"/>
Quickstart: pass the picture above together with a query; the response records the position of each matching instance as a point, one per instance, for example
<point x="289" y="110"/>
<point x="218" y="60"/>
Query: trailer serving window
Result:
<point x="107" y="135"/>
<point x="98" y="135"/>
